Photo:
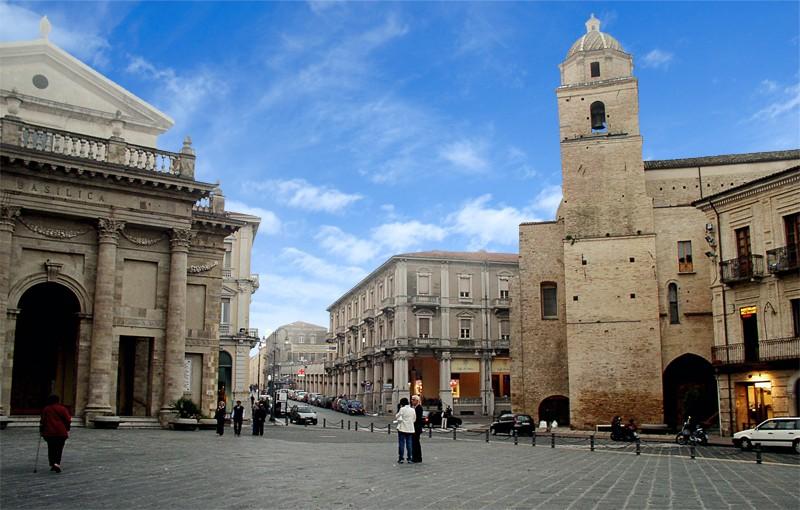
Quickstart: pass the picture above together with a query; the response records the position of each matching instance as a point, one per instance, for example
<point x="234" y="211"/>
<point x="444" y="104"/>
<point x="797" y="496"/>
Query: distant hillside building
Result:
<point x="612" y="313"/>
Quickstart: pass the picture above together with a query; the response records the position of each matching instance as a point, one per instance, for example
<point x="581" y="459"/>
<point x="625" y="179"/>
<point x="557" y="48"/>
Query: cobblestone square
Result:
<point x="332" y="468"/>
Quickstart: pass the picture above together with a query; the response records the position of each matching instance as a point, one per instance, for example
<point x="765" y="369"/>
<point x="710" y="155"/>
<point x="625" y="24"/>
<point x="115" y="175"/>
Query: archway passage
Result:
<point x="555" y="408"/>
<point x="690" y="389"/>
<point x="45" y="348"/>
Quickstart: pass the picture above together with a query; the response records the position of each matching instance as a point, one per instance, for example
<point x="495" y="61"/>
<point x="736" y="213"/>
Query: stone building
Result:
<point x="236" y="337"/>
<point x="612" y="312"/>
<point x="756" y="297"/>
<point x="111" y="253"/>
<point x="289" y="349"/>
<point x="434" y="323"/>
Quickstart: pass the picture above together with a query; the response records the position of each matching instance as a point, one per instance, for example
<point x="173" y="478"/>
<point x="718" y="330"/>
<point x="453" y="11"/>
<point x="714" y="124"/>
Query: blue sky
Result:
<point x="360" y="130"/>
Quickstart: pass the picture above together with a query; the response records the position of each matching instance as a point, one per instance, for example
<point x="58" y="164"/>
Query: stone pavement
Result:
<point x="332" y="468"/>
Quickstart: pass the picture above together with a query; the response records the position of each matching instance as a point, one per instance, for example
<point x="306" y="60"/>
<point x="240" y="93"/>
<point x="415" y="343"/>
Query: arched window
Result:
<point x="672" y="296"/>
<point x="598" y="116"/>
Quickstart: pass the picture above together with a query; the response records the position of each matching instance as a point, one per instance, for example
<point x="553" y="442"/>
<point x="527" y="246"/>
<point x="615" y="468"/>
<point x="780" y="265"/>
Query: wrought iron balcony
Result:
<point x="420" y="301"/>
<point x="742" y="269"/>
<point x="766" y="350"/>
<point x="785" y="259"/>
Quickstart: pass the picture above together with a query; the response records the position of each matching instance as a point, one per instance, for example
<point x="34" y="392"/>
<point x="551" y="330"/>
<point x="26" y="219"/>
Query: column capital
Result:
<point x="444" y="356"/>
<point x="180" y="238"/>
<point x="7" y="215"/>
<point x="108" y="229"/>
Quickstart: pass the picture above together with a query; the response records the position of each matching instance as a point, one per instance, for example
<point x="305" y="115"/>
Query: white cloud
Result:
<point x="484" y="225"/>
<point x="348" y="246"/>
<point x="21" y="24"/>
<point x="547" y="201"/>
<point x="179" y="95"/>
<point x="319" y="268"/>
<point x="465" y="154"/>
<point x="657" y="59"/>
<point x="401" y="236"/>
<point x="270" y="223"/>
<point x="788" y="101"/>
<point x="300" y="194"/>
<point x="767" y="86"/>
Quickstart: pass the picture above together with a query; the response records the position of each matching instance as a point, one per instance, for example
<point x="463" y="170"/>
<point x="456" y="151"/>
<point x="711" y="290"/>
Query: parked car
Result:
<point x="354" y="407"/>
<point x="298" y="395"/>
<point x="340" y="404"/>
<point x="773" y="432"/>
<point x="508" y="423"/>
<point x="302" y="415"/>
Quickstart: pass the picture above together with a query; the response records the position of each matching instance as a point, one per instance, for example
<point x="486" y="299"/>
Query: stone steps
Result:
<point x="126" y="422"/>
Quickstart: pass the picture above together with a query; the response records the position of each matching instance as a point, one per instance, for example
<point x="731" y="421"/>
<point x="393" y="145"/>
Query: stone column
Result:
<point x="388" y="372"/>
<point x="377" y="385"/>
<point x="7" y="361"/>
<point x="99" y="400"/>
<point x="487" y="395"/>
<point x="401" y="377"/>
<point x="360" y="378"/>
<point x="175" y="341"/>
<point x="7" y="225"/>
<point x="445" y="393"/>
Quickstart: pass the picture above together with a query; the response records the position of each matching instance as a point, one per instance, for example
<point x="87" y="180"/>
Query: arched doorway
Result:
<point x="690" y="389"/>
<point x="225" y="377"/>
<point x="555" y="408"/>
<point x="45" y="348"/>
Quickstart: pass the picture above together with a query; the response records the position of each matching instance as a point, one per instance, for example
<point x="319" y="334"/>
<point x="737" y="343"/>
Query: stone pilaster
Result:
<point x="7" y="225"/>
<point x="487" y="395"/>
<point x="445" y="393"/>
<point x="175" y="341"/>
<point x="400" y="377"/>
<point x="377" y="386"/>
<point x="7" y="361"/>
<point x="103" y="324"/>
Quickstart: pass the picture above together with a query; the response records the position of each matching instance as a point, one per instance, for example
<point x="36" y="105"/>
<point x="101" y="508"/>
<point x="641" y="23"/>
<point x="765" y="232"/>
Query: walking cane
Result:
<point x="36" y="462"/>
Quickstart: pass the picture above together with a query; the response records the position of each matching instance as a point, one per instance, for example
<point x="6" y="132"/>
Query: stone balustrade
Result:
<point x="15" y="132"/>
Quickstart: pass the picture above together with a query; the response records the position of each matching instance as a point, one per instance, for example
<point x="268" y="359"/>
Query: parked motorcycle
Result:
<point x="691" y="434"/>
<point x="620" y="432"/>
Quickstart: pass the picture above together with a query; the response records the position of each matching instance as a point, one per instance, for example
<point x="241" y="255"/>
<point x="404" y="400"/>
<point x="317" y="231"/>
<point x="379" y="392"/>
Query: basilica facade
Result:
<point x="112" y="255"/>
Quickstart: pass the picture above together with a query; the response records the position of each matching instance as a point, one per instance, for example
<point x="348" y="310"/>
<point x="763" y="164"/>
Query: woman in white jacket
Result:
<point x="405" y="429"/>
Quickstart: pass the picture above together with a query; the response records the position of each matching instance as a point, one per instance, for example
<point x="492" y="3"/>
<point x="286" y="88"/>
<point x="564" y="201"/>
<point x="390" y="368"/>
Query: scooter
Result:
<point x="691" y="435"/>
<point x="620" y="432"/>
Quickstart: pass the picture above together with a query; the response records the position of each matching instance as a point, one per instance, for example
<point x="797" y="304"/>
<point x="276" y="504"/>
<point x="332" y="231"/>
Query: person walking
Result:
<point x="259" y="416"/>
<point x="238" y="418"/>
<point x="405" y="418"/>
<point x="416" y="403"/>
<point x="54" y="428"/>
<point x="219" y="415"/>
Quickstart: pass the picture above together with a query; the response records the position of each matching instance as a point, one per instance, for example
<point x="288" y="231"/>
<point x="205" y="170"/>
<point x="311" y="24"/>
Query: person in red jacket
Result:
<point x="54" y="428"/>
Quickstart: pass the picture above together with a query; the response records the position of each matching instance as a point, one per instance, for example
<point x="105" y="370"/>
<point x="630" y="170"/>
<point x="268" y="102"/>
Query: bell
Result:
<point x="598" y="120"/>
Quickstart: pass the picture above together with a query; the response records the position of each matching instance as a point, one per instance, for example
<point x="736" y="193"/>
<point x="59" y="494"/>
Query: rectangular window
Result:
<point x="381" y="295"/>
<point x="302" y="340"/>
<point x="503" y="286"/>
<point x="505" y="330"/>
<point x="424" y="327"/>
<point x="595" y="68"/>
<point x="792" y="227"/>
<point x="464" y="286"/>
<point x="226" y="261"/>
<point x="549" y="301"/>
<point x="685" y="264"/>
<point x="423" y="284"/>
<point x="465" y="328"/>
<point x="226" y="311"/>
<point x="796" y="316"/>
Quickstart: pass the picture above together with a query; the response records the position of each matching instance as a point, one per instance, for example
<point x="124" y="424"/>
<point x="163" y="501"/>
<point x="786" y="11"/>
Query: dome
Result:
<point x="594" y="39"/>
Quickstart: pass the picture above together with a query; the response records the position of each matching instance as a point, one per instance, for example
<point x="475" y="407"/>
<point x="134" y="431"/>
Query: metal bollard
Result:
<point x="638" y="447"/>
<point x="287" y="419"/>
<point x="487" y="435"/>
<point x="324" y="423"/>
<point x="305" y="423"/>
<point x="758" y="453"/>
<point x="533" y="438"/>
<point x="348" y="424"/>
<point x="430" y="431"/>
<point x="356" y="426"/>
<point x="591" y="443"/>
<point x="691" y="451"/>
<point x="371" y="427"/>
<point x="454" y="434"/>
<point x="342" y="423"/>
<point x="389" y="428"/>
<point x="516" y="438"/>
<point x="552" y="440"/>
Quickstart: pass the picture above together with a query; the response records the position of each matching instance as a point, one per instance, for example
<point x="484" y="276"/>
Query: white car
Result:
<point x="773" y="432"/>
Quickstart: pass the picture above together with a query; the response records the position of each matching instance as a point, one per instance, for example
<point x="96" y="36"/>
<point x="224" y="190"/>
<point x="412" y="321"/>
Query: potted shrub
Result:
<point x="187" y="414"/>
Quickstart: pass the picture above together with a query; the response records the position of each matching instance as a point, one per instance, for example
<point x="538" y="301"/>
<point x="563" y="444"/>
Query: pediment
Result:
<point x="60" y="91"/>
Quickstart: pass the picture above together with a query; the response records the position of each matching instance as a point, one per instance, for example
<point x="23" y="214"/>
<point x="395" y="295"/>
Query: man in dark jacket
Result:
<point x="259" y="416"/>
<point x="54" y="428"/>
<point x="416" y="447"/>
<point x="238" y="417"/>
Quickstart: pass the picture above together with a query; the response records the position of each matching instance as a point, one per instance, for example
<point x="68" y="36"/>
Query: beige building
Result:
<point x="433" y="323"/>
<point x="111" y="253"/>
<point x="236" y="337"/>
<point x="289" y="353"/>
<point x="612" y="312"/>
<point x="756" y="297"/>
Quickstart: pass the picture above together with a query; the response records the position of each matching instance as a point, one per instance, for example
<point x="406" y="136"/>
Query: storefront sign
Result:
<point x="461" y="366"/>
<point x="501" y="366"/>
<point x="747" y="311"/>
<point x="187" y="375"/>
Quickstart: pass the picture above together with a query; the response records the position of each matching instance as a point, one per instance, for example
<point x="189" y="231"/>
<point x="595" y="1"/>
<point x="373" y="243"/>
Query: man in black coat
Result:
<point x="416" y="448"/>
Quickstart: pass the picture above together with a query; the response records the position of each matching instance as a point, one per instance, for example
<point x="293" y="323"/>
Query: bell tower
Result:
<point x="611" y="291"/>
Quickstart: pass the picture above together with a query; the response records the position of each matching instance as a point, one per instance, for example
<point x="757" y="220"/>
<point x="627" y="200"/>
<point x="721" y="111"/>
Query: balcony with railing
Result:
<point x="340" y="331"/>
<point x="368" y="315"/>
<point x="387" y="304"/>
<point x="424" y="342"/>
<point x="502" y="304"/>
<point x="742" y="269"/>
<point x="226" y="273"/>
<point x="754" y="352"/>
<point x="785" y="259"/>
<point x="425" y="301"/>
<point x="352" y="323"/>
<point x="101" y="150"/>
